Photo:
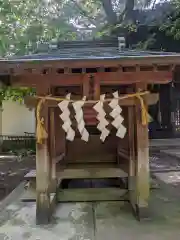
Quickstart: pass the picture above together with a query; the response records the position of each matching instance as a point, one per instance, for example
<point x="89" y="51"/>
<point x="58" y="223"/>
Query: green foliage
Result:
<point x="147" y="44"/>
<point x="172" y="24"/>
<point x="25" y="25"/>
<point x="18" y="147"/>
<point x="119" y="28"/>
<point x="15" y="94"/>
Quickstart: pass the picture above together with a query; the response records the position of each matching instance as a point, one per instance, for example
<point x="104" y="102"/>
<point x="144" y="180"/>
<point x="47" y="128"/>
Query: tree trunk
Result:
<point x="129" y="11"/>
<point x="108" y="8"/>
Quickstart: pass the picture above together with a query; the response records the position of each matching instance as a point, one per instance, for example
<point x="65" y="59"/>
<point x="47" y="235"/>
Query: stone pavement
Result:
<point x="101" y="220"/>
<point x="97" y="221"/>
<point x="174" y="142"/>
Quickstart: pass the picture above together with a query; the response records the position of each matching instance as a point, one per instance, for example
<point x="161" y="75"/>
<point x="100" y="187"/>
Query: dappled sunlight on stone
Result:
<point x="169" y="177"/>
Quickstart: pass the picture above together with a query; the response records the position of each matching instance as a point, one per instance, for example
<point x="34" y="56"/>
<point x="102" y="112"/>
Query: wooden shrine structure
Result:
<point x="91" y="69"/>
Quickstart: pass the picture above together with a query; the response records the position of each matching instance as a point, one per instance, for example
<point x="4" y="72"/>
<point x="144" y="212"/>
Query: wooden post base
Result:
<point x="141" y="213"/>
<point x="43" y="209"/>
<point x="45" y="205"/>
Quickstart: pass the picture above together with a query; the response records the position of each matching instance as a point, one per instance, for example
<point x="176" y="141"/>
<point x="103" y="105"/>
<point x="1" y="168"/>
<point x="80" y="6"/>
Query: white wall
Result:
<point x="17" y="119"/>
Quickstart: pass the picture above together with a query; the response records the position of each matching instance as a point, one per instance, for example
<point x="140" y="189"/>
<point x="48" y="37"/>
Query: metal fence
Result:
<point x="11" y="142"/>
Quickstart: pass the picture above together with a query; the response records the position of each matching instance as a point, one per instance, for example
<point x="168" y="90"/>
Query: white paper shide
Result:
<point x="80" y="119"/>
<point x="116" y="114"/>
<point x="103" y="123"/>
<point x="101" y="117"/>
<point x="65" y="116"/>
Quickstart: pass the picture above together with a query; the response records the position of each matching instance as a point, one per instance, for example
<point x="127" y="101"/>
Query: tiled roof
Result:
<point x="87" y="50"/>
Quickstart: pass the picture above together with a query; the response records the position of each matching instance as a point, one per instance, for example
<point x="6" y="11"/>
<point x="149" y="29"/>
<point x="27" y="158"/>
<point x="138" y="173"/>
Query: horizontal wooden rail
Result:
<point x="151" y="99"/>
<point x="54" y="79"/>
<point x="123" y="153"/>
<point x="82" y="195"/>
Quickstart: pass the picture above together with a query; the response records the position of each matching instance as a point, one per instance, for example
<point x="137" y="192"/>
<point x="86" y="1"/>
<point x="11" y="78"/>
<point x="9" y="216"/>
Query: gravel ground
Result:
<point x="12" y="171"/>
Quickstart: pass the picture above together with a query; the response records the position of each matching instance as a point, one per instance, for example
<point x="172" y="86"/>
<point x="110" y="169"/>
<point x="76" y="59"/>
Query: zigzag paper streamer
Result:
<point x="101" y="118"/>
<point x="80" y="119"/>
<point x="65" y="116"/>
<point x="116" y="114"/>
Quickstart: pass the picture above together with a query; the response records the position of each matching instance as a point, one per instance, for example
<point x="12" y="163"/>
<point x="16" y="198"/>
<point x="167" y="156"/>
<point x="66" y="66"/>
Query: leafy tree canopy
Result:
<point x="26" y="25"/>
<point x="172" y="22"/>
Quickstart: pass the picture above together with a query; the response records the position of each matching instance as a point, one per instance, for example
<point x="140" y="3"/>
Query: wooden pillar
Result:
<point x="132" y="169"/>
<point x="86" y="88"/>
<point x="43" y="178"/>
<point x="97" y="89"/>
<point x="53" y="149"/>
<point x="142" y="165"/>
<point x="44" y="173"/>
<point x="165" y="106"/>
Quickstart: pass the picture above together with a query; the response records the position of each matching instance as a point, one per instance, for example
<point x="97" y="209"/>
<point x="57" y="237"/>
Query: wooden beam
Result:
<point x="30" y="175"/>
<point x="82" y="195"/>
<point x="90" y="171"/>
<point x="92" y="194"/>
<point x="38" y="65"/>
<point x="148" y="77"/>
<point x="151" y="99"/>
<point x="50" y="79"/>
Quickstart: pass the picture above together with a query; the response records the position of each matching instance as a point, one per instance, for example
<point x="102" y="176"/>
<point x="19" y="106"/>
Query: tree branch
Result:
<point x="84" y="13"/>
